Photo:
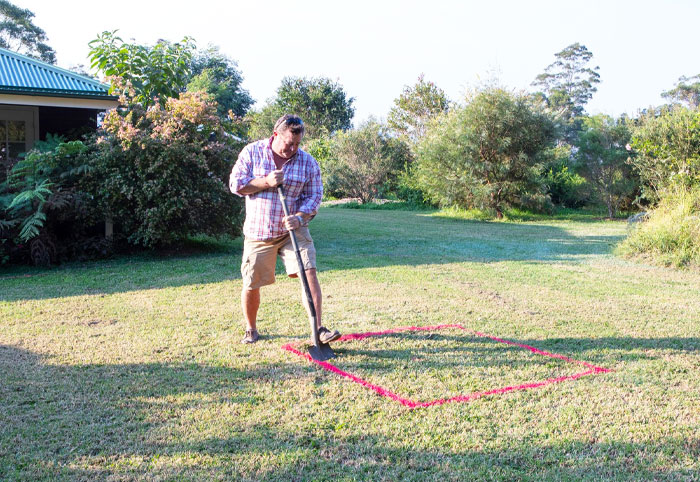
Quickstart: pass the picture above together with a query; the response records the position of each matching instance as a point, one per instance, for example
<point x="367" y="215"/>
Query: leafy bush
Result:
<point x="667" y="146"/>
<point x="161" y="174"/>
<point x="367" y="161"/>
<point x="407" y="189"/>
<point x="671" y="234"/>
<point x="47" y="214"/>
<point x="602" y="158"/>
<point x="152" y="73"/>
<point x="398" y="181"/>
<point x="565" y="187"/>
<point x="486" y="154"/>
<point x="380" y="205"/>
<point x="323" y="149"/>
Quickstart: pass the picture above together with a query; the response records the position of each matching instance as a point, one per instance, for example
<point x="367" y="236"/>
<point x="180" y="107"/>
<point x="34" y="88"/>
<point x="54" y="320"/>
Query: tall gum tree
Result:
<point x="568" y="84"/>
<point x="19" y="34"/>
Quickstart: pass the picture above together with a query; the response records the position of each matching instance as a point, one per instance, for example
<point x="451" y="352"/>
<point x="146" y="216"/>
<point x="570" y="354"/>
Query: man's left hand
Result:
<point x="292" y="222"/>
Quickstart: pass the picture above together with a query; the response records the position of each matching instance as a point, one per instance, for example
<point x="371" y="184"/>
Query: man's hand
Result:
<point x="258" y="184"/>
<point x="292" y="222"/>
<point x="275" y="178"/>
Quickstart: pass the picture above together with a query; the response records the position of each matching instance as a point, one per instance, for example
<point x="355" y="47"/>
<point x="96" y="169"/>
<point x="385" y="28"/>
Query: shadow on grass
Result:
<point x="122" y="274"/>
<point x="345" y="239"/>
<point x="484" y="351"/>
<point x="428" y="352"/>
<point x="619" y="345"/>
<point x="126" y="422"/>
<point x="348" y="239"/>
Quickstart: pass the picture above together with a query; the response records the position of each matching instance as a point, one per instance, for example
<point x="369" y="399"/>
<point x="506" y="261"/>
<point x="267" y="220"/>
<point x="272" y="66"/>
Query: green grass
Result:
<point x="381" y="204"/>
<point x="671" y="234"/>
<point x="445" y="363"/>
<point x="131" y="368"/>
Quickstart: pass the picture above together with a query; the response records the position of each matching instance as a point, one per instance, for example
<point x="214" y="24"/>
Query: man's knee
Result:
<point x="311" y="272"/>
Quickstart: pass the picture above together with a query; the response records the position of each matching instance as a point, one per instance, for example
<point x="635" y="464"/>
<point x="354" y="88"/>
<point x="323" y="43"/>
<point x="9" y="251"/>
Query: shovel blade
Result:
<point x="321" y="352"/>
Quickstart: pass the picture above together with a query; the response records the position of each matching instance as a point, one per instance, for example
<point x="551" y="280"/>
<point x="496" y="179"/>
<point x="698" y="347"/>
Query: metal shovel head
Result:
<point x="321" y="352"/>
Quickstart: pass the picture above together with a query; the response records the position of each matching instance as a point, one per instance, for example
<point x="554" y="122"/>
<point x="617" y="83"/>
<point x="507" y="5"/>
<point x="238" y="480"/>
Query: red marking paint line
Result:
<point x="592" y="369"/>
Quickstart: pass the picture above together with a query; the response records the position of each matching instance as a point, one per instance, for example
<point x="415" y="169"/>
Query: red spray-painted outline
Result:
<point x="592" y="369"/>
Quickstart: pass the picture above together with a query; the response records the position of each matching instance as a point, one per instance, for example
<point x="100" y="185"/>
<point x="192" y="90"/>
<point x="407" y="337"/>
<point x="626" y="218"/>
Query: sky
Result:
<point x="375" y="48"/>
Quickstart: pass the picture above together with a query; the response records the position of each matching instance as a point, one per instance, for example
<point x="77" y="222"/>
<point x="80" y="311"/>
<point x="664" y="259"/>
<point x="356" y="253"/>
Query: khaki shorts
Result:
<point x="260" y="258"/>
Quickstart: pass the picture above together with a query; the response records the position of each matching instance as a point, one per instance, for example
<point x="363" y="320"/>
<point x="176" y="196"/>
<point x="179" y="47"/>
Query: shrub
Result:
<point x="565" y="187"/>
<point x="368" y="160"/>
<point x="667" y="146"/>
<point x="407" y="189"/>
<point x="671" y="233"/>
<point x="47" y="214"/>
<point x="323" y="149"/>
<point x="602" y="159"/>
<point x="486" y="154"/>
<point x="161" y="174"/>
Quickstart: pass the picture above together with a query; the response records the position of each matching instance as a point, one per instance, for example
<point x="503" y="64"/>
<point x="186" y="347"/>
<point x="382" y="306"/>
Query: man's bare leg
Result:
<point x="250" y="302"/>
<point x="316" y="295"/>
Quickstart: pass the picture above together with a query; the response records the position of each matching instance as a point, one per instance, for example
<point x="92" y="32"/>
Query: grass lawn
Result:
<point x="131" y="369"/>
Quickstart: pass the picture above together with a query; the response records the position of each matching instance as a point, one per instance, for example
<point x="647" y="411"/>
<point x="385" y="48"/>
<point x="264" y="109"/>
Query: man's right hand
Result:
<point x="275" y="178"/>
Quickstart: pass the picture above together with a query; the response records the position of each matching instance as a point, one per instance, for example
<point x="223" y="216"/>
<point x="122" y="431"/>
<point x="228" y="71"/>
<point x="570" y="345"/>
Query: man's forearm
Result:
<point x="305" y="217"/>
<point x="256" y="185"/>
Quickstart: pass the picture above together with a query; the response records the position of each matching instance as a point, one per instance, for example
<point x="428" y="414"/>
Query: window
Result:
<point x="13" y="138"/>
<point x="17" y="135"/>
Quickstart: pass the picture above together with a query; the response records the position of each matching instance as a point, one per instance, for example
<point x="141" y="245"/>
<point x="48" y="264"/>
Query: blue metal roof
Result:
<point x="23" y="75"/>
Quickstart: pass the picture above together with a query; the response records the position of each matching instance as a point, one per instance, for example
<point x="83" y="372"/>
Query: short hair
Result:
<point x="290" y="122"/>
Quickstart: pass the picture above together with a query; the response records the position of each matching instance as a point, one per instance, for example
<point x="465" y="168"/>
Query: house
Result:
<point x="37" y="98"/>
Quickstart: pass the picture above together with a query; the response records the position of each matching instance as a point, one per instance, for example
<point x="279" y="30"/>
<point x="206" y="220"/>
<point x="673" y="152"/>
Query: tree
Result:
<point x="321" y="103"/>
<point x="687" y="90"/>
<point x="667" y="148"/>
<point x="414" y="108"/>
<point x="366" y="158"/>
<point x="217" y="75"/>
<point x="324" y="150"/>
<point x="486" y="154"/>
<point x="568" y="84"/>
<point x="18" y="33"/>
<point x="602" y="158"/>
<point x="145" y="73"/>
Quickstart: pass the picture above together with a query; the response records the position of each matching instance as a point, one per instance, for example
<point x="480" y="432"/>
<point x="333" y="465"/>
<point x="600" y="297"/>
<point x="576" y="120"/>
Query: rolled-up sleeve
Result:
<point x="311" y="195"/>
<point x="242" y="172"/>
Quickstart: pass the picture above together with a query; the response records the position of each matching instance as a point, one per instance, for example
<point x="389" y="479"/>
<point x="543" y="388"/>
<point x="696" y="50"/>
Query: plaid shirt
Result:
<point x="302" y="187"/>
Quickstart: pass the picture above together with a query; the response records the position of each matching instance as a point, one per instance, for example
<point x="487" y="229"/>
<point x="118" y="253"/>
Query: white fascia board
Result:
<point x="102" y="104"/>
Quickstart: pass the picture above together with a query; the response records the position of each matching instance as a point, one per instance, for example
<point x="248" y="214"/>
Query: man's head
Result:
<point x="287" y="135"/>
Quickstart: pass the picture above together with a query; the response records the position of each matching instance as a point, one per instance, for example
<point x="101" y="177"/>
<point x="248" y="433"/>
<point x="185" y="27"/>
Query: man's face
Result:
<point x="285" y="143"/>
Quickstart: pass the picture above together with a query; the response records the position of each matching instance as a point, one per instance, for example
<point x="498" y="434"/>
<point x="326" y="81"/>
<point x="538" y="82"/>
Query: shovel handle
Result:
<point x="302" y="271"/>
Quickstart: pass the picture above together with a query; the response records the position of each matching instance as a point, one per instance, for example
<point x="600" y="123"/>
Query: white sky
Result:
<point x="375" y="48"/>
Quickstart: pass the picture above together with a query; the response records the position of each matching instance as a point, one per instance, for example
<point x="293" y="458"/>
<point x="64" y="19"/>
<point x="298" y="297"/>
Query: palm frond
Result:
<point x="31" y="226"/>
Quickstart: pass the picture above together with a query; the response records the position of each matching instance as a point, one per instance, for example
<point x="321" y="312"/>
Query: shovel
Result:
<point x="319" y="351"/>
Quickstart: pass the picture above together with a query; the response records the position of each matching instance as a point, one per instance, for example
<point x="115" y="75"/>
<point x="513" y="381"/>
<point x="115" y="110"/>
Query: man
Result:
<point x="260" y="168"/>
